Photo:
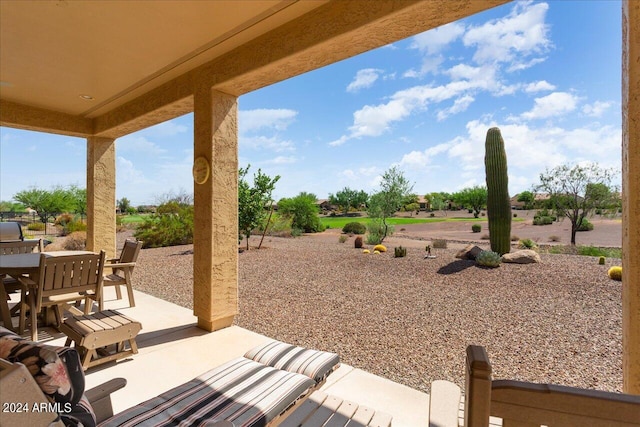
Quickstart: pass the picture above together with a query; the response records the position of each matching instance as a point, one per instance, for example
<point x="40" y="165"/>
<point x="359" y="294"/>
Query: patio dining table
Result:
<point x="17" y="265"/>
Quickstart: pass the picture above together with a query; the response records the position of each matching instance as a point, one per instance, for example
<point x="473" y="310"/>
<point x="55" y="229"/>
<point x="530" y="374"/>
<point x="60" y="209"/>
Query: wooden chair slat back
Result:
<point x="71" y="273"/>
<point x="20" y="247"/>
<point x="130" y="251"/>
<point x="129" y="254"/>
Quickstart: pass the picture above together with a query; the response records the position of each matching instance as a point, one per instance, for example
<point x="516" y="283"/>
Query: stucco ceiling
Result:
<point x="107" y="68"/>
<point x="55" y="54"/>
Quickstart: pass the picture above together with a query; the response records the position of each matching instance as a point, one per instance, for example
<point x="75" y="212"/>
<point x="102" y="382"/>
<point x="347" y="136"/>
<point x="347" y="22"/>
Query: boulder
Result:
<point x="469" y="252"/>
<point x="525" y="256"/>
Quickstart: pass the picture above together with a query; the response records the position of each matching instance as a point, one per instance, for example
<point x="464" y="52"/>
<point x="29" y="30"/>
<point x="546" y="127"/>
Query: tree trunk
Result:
<point x="574" y="229"/>
<point x="266" y="227"/>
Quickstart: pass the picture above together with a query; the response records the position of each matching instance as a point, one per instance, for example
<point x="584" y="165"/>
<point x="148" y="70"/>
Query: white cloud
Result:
<point x="430" y="64"/>
<point x="431" y="43"/>
<point x="364" y="79"/>
<point x="272" y="143"/>
<point x="459" y="105"/>
<point x="596" y="109"/>
<point x="138" y="143"/>
<point x="275" y="119"/>
<point x="281" y="160"/>
<point x="422" y="159"/>
<point x="434" y="41"/>
<point x="555" y="104"/>
<point x="168" y="128"/>
<point x="539" y="86"/>
<point x="519" y="35"/>
<point x="128" y="175"/>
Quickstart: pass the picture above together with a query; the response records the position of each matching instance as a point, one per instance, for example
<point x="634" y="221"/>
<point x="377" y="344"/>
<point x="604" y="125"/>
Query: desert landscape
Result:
<point x="410" y="319"/>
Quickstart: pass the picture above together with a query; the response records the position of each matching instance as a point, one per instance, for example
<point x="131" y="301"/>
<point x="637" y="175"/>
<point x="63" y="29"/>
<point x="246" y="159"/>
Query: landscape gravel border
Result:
<point x="410" y="319"/>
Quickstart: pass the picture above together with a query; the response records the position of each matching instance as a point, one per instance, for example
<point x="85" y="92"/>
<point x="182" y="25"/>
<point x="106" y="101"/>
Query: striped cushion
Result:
<point x="315" y="364"/>
<point x="242" y="391"/>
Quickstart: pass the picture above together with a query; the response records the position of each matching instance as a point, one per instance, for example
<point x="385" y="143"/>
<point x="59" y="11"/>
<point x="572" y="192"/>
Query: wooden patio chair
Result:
<point x="62" y="280"/>
<point x="122" y="269"/>
<point x="11" y="284"/>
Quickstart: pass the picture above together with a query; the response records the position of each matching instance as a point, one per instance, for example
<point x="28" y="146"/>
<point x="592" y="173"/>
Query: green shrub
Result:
<point x="615" y="273"/>
<point x="376" y="231"/>
<point x="585" y="225"/>
<point x="476" y="228"/>
<point x="355" y="228"/>
<point x="280" y="226"/>
<point x="527" y="244"/>
<point x="74" y="226"/>
<point x="488" y="259"/>
<point x="374" y="238"/>
<point x="543" y="220"/>
<point x="342" y="238"/>
<point x="303" y="212"/>
<point x="37" y="226"/>
<point x="439" y="244"/>
<point x="168" y="229"/>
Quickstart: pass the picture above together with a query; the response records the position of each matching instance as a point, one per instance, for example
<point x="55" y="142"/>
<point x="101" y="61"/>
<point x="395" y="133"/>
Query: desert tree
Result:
<point x="303" y="212"/>
<point x="576" y="191"/>
<point x="254" y="202"/>
<point x="48" y="203"/>
<point x="526" y="197"/>
<point x="474" y="198"/>
<point x="394" y="187"/>
<point x="347" y="198"/>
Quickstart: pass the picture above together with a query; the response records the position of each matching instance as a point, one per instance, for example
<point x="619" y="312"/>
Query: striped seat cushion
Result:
<point x="242" y="391"/>
<point x="315" y="364"/>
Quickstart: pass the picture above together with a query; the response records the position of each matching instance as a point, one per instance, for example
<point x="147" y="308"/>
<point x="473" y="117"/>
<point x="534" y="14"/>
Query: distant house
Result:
<point x="325" y="206"/>
<point x="515" y="204"/>
<point x="424" y="203"/>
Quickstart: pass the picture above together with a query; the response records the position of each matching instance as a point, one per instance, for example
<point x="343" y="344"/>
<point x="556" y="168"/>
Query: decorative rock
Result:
<point x="469" y="252"/>
<point x="525" y="256"/>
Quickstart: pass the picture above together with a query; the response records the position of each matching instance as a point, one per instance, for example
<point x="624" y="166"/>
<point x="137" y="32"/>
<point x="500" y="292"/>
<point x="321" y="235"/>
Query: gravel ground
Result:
<point x="410" y="319"/>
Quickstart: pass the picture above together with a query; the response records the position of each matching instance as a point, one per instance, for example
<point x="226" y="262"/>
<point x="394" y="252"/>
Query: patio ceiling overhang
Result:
<point x="139" y="61"/>
<point x="103" y="69"/>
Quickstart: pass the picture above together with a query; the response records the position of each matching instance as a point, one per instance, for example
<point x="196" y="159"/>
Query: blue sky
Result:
<point x="547" y="73"/>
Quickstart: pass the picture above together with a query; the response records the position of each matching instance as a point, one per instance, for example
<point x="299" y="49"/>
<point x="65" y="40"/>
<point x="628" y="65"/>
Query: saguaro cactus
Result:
<point x="498" y="205"/>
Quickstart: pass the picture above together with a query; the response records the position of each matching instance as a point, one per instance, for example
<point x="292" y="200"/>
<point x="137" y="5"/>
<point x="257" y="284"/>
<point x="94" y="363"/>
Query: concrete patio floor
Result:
<point x="172" y="350"/>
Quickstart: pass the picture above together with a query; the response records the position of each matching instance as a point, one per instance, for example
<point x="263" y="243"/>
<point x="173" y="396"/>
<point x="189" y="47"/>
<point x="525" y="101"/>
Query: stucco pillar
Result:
<point x="101" y="195"/>
<point x="215" y="240"/>
<point x="631" y="196"/>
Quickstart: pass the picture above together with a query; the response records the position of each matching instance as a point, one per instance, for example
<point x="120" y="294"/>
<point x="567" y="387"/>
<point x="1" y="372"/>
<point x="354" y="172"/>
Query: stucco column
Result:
<point x="101" y="195"/>
<point x="631" y="196"/>
<point x="215" y="240"/>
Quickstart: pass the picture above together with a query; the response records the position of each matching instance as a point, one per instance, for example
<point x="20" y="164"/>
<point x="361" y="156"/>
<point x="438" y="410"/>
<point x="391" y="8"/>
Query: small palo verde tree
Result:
<point x="253" y="201"/>
<point x="394" y="188"/>
<point x="576" y="191"/>
<point x="498" y="202"/>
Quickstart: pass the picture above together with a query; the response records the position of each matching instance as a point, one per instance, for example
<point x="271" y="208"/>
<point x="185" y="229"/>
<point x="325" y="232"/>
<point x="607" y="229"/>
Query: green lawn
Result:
<point x="339" y="222"/>
<point x="133" y="219"/>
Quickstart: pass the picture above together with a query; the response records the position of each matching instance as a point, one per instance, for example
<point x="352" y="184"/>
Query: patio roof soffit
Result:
<point x="330" y="33"/>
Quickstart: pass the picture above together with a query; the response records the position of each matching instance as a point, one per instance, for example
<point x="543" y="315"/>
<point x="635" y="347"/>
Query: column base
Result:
<point x="216" y="324"/>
